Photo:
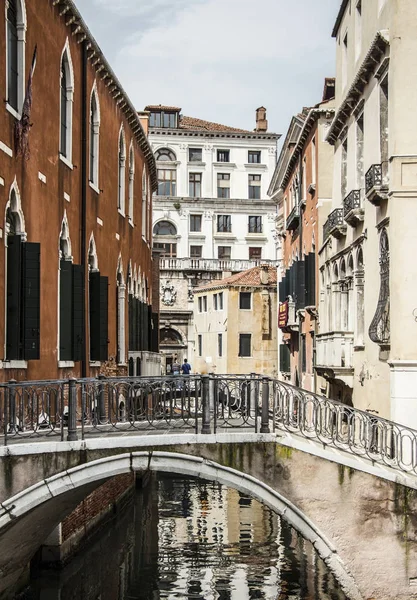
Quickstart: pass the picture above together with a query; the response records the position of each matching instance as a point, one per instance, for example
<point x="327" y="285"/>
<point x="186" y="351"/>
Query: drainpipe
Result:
<point x="300" y="346"/>
<point x="84" y="176"/>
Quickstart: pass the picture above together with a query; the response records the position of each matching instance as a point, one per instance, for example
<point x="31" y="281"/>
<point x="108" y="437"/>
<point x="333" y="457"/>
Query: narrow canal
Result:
<point x="185" y="538"/>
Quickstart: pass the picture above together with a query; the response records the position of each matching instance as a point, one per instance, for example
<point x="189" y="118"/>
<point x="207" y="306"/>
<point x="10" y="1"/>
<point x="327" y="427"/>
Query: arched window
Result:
<point x="164" y="228"/>
<point x="122" y="172"/>
<point x="98" y="307"/>
<point x="66" y="101"/>
<point x="94" y="136"/>
<point x="360" y="304"/>
<point x="120" y="315"/>
<point x="167" y="176"/>
<point x="15" y="49"/>
<point x="131" y="182"/>
<point x="144" y="195"/>
<point x="336" y="298"/>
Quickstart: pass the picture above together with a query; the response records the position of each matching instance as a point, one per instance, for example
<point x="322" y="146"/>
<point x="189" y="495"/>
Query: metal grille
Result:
<point x="335" y="219"/>
<point x="373" y="177"/>
<point x="379" y="329"/>
<point x="352" y="201"/>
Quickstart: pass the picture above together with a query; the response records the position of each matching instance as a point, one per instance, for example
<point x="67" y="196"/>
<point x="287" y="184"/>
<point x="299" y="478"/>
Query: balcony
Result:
<point x="375" y="187"/>
<point x="352" y="208"/>
<point x="211" y="264"/>
<point x="293" y="219"/>
<point x="335" y="225"/>
<point x="334" y="356"/>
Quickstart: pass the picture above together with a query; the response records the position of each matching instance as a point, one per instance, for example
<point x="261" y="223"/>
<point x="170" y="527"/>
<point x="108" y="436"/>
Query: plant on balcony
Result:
<point x="177" y="205"/>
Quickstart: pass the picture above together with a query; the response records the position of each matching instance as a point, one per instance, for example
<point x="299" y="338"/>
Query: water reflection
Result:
<point x="185" y="538"/>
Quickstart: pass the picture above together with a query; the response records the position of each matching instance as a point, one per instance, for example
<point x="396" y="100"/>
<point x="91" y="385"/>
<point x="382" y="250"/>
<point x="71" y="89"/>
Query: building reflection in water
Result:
<point x="187" y="538"/>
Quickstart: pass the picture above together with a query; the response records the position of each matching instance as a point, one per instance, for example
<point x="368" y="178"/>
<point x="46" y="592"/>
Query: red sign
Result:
<point x="283" y="314"/>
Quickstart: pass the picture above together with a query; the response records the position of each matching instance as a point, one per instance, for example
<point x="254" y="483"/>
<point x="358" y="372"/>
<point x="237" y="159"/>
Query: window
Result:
<point x="223" y="185"/>
<point x="358" y="28"/>
<point x="223" y="156"/>
<point x="167" y="249"/>
<point x="245" y="300"/>
<point x="224" y="223"/>
<point x="359" y="151"/>
<point x="215" y="301"/>
<point x="165" y="155"/>
<point x="343" y="174"/>
<point x="195" y="185"/>
<point x="200" y="345"/>
<point x="131" y="182"/>
<point x="205" y="303"/>
<point x="167" y="182"/>
<point x="224" y="252"/>
<point x="303" y="354"/>
<point x="122" y="172"/>
<point x="144" y="197"/>
<point x="255" y="253"/>
<point x="313" y="161"/>
<point x="195" y="223"/>
<point x="220" y="344"/>
<point x="94" y="136"/>
<point x="255" y="224"/>
<point x="98" y="292"/>
<point x="200" y="304"/>
<point x="66" y="92"/>
<point x="163" y="119"/>
<point x="254" y="187"/>
<point x="245" y="344"/>
<point x="196" y="251"/>
<point x="15" y="48"/>
<point x="254" y="156"/>
<point x="164" y="228"/>
<point x="195" y="154"/>
<point x="221" y="301"/>
<point x="344" y="60"/>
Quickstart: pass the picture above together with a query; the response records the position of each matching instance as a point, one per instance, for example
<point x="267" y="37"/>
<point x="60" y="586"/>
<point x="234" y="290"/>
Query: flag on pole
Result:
<point x="23" y="126"/>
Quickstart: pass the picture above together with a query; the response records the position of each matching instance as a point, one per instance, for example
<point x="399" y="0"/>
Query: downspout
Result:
<point x="84" y="175"/>
<point x="300" y="208"/>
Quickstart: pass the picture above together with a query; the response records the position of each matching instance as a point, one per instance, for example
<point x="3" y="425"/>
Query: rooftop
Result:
<point x="193" y="124"/>
<point x="250" y="278"/>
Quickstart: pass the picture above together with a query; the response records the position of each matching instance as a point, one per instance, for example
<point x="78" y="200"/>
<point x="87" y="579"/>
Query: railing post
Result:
<point x="265" y="406"/>
<point x="72" y="411"/>
<point x="205" y="396"/>
<point x="101" y="407"/>
<point x="12" y="405"/>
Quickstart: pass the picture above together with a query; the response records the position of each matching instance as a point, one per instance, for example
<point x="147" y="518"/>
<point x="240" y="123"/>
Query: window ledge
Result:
<point x="15" y="364"/>
<point x="65" y="364"/>
<point x="94" y="187"/>
<point x="122" y="364"/>
<point x="13" y="111"/>
<point x="131" y="223"/>
<point x="65" y="160"/>
<point x="256" y="236"/>
<point x="256" y="166"/>
<point x="196" y="163"/>
<point x="119" y="210"/>
<point x="224" y="164"/>
<point x="197" y="235"/>
<point x="224" y="236"/>
<point x="95" y="363"/>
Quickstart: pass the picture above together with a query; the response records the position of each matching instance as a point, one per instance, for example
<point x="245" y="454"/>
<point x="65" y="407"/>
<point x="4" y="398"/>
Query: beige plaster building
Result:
<point x="235" y="323"/>
<point x="366" y="348"/>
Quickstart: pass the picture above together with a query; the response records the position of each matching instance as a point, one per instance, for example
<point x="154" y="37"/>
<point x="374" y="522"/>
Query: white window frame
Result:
<point x="144" y="200"/>
<point x="95" y="136"/>
<point x="66" y="60"/>
<point x="121" y="169"/>
<point x="21" y="43"/>
<point x="131" y="191"/>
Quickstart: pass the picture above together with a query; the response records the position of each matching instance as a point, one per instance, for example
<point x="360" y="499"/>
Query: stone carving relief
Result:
<point x="168" y="294"/>
<point x="209" y="214"/>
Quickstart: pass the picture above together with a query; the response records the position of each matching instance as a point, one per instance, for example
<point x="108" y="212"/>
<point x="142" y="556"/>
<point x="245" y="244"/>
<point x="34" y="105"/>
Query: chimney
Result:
<point x="264" y="274"/>
<point x="144" y="120"/>
<point x="261" y="122"/>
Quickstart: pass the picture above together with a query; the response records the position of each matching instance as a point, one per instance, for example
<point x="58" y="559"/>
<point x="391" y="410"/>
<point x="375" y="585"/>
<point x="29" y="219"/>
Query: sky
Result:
<point x="218" y="59"/>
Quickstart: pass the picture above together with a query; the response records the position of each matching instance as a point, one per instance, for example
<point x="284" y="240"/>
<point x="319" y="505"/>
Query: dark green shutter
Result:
<point x="31" y="275"/>
<point x="150" y="328"/>
<point x="131" y="329"/>
<point x="77" y="312"/>
<point x="155" y="332"/>
<point x="65" y="310"/>
<point x="139" y="326"/>
<point x="310" y="279"/>
<point x="284" y="358"/>
<point x="94" y="289"/>
<point x="104" y="317"/>
<point x="13" y="311"/>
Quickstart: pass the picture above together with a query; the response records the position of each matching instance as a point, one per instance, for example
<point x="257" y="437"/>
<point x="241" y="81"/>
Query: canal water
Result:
<point x="184" y="538"/>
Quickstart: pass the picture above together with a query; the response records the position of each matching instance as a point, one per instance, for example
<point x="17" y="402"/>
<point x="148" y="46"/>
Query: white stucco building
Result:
<point x="368" y="327"/>
<point x="211" y="215"/>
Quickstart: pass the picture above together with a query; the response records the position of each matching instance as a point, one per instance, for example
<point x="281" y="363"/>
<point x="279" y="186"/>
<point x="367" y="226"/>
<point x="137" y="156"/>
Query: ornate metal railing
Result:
<point x="373" y="177"/>
<point x="335" y="220"/>
<point x="293" y="218"/>
<point x="80" y="409"/>
<point x="352" y="202"/>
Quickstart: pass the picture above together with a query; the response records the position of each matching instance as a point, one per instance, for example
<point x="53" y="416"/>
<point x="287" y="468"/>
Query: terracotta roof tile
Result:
<point x="194" y="124"/>
<point x="162" y="107"/>
<point x="251" y="278"/>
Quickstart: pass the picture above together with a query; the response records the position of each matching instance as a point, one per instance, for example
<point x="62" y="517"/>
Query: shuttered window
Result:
<point x="12" y="55"/>
<point x="23" y="300"/>
<point x="98" y="316"/>
<point x="71" y="321"/>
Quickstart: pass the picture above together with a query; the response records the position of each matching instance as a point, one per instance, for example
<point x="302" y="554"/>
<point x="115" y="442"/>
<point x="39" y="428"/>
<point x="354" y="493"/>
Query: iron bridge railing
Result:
<point x="83" y="408"/>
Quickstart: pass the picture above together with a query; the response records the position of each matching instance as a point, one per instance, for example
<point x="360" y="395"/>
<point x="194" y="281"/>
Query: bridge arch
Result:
<point x="65" y="490"/>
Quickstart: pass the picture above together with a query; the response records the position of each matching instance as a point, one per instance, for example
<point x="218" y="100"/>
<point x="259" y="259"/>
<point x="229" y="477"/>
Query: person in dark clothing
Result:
<point x="186" y="367"/>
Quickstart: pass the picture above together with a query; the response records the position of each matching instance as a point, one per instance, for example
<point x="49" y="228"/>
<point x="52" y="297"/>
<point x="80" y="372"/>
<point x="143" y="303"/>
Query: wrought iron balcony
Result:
<point x="352" y="208"/>
<point x="335" y="225"/>
<point x="376" y="188"/>
<point x="293" y="219"/>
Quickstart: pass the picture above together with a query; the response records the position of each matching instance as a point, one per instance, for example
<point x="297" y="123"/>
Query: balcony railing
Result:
<point x="375" y="186"/>
<point x="335" y="224"/>
<point x="352" y="208"/>
<point x="211" y="264"/>
<point x="293" y="219"/>
<point x="334" y="353"/>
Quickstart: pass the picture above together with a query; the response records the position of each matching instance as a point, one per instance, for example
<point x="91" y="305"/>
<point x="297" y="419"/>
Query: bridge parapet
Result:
<point x="203" y="404"/>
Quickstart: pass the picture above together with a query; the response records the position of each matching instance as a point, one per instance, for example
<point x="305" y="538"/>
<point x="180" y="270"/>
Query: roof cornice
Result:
<point x="80" y="32"/>
<point x="339" y="17"/>
<point x="366" y="70"/>
<point x="213" y="134"/>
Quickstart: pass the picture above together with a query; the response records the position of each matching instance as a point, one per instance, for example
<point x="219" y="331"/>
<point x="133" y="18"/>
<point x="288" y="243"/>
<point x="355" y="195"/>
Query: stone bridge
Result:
<point x="345" y="480"/>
